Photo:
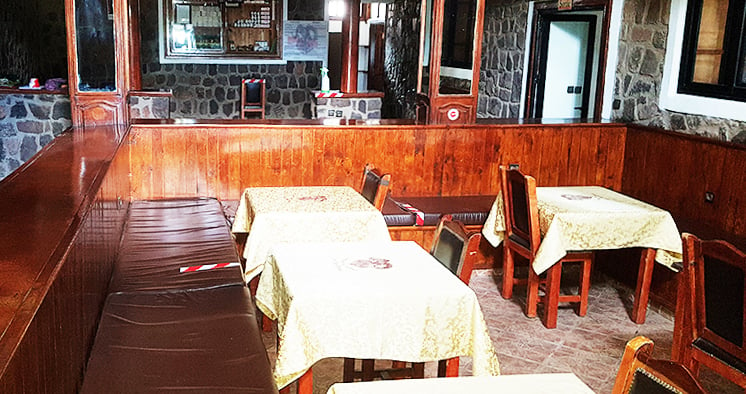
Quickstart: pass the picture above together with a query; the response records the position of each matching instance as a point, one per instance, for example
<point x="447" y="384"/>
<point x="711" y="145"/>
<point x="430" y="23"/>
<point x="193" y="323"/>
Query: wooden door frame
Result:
<point x="542" y="61"/>
<point x="550" y="8"/>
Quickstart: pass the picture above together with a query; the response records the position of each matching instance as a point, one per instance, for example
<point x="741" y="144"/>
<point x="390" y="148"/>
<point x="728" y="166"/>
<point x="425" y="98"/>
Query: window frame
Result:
<point x="670" y="99"/>
<point x="727" y="87"/>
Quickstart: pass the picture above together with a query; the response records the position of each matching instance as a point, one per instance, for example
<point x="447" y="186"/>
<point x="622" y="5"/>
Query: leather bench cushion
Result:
<point x="394" y="215"/>
<point x="165" y="235"/>
<point x="471" y="210"/>
<point x="190" y="341"/>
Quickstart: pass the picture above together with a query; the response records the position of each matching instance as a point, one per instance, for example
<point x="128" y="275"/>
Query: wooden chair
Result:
<point x="374" y="185"/>
<point x="639" y="373"/>
<point x="456" y="248"/>
<point x="522" y="237"/>
<point x="711" y="309"/>
<point x="252" y="97"/>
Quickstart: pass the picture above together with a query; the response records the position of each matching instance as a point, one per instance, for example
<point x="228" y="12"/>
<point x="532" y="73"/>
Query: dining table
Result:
<point x="541" y="383"/>
<point x="583" y="218"/>
<point x="272" y="215"/>
<point x="369" y="300"/>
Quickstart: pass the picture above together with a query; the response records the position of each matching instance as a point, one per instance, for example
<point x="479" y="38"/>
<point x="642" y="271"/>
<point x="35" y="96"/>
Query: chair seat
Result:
<point x="714" y="351"/>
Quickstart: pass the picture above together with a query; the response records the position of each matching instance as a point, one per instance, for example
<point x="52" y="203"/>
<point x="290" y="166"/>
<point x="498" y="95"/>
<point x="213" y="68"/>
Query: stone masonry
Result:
<point x="28" y="122"/>
<point x="212" y="91"/>
<point x="348" y="108"/>
<point x="503" y="48"/>
<point x="642" y="50"/>
<point x="402" y="56"/>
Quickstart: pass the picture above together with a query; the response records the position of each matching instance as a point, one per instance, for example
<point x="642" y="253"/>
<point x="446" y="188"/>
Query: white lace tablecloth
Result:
<point x="369" y="300"/>
<point x="272" y="215"/>
<point x="548" y="383"/>
<point x="576" y="218"/>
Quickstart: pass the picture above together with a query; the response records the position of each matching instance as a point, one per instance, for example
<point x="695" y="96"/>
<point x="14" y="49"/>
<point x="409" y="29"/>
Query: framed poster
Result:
<point x="305" y="40"/>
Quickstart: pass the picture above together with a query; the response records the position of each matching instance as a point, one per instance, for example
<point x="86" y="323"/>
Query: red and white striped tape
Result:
<point x="419" y="216"/>
<point x="329" y="95"/>
<point x="253" y="80"/>
<point x="206" y="267"/>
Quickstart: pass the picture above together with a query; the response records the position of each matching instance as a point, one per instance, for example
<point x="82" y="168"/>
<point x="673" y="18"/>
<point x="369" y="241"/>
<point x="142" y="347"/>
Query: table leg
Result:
<point x="551" y="296"/>
<point x="452" y="367"/>
<point x="642" y="290"/>
<point x="305" y="382"/>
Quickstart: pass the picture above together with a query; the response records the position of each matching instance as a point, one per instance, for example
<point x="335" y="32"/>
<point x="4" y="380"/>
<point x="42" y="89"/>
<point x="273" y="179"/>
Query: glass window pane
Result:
<point x="710" y="41"/>
<point x="94" y="26"/>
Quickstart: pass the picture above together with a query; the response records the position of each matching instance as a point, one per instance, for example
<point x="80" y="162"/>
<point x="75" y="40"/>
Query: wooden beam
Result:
<point x="350" y="37"/>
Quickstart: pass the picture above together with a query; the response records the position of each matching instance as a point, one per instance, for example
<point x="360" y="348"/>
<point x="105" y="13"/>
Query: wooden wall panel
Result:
<point x="673" y="171"/>
<point x="46" y="345"/>
<point x="188" y="161"/>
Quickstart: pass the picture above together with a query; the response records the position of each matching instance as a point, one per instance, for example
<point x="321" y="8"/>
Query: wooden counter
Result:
<point x="62" y="214"/>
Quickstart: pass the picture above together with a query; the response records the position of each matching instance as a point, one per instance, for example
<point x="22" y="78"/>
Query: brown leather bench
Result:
<point x="166" y="325"/>
<point x="470" y="210"/>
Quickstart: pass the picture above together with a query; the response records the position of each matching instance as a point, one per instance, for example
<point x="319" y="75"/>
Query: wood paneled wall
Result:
<point x="189" y="161"/>
<point x="673" y="171"/>
<point x="47" y="342"/>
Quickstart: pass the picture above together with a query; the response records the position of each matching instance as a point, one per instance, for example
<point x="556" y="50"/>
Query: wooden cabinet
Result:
<point x="221" y="29"/>
<point x="101" y="69"/>
<point x="450" y="53"/>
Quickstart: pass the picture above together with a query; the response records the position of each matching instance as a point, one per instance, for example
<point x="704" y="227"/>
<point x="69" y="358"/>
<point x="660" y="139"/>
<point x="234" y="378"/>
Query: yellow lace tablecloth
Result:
<point x="547" y="383"/>
<point x="578" y="218"/>
<point x="274" y="215"/>
<point x="369" y="300"/>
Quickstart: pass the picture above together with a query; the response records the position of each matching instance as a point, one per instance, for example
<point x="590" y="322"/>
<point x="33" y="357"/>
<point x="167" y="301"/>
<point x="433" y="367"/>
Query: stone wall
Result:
<point x="348" y="108"/>
<point x="642" y="50"/>
<point x="402" y="58"/>
<point x="212" y="91"/>
<point x="501" y="72"/>
<point x="27" y="123"/>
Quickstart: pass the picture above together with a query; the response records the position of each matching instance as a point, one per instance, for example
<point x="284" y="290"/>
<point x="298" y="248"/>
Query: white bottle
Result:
<point x="324" y="80"/>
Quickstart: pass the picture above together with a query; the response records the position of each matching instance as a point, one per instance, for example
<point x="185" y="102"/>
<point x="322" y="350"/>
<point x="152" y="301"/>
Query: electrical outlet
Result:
<point x="709" y="197"/>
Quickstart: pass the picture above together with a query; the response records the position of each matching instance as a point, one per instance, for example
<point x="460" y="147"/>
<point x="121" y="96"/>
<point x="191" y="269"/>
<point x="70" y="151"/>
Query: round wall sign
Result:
<point x="452" y="114"/>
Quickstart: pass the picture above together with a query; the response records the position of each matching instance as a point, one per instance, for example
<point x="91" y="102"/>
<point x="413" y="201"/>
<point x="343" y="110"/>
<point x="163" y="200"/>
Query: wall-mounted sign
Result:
<point x="305" y="40"/>
<point x="453" y="114"/>
<point x="564" y="5"/>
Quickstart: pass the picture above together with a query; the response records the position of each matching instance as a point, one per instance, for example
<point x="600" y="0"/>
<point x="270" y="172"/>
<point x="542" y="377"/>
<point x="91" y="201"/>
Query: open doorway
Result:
<point x="567" y="59"/>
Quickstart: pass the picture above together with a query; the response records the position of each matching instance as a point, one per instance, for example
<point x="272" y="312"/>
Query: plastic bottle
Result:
<point x="324" y="80"/>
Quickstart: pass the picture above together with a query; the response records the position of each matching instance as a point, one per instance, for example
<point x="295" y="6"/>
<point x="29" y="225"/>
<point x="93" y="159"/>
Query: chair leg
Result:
<point x="508" y="267"/>
<point x="368" y="371"/>
<point x="551" y="298"/>
<point x="348" y="370"/>
<point x="584" y="288"/>
<point x="532" y="293"/>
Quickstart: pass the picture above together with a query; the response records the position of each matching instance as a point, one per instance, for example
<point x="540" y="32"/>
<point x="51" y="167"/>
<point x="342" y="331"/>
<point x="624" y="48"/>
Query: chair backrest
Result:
<point x="521" y="211"/>
<point x="455" y="247"/>
<point x="639" y="373"/>
<point x="253" y="91"/>
<point x="374" y="185"/>
<point x="710" y="311"/>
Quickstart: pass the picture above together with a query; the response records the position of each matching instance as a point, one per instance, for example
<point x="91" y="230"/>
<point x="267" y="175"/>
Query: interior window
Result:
<point x="712" y="59"/>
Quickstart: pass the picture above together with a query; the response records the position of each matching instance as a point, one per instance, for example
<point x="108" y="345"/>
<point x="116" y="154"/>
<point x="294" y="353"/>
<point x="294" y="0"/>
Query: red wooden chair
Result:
<point x="523" y="238"/>
<point x="639" y="373"/>
<point x="711" y="309"/>
<point x="374" y="185"/>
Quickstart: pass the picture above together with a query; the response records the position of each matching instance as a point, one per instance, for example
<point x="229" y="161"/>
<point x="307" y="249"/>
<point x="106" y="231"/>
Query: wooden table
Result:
<point x="273" y="215"/>
<point x="549" y="383"/>
<point x="595" y="218"/>
<point x="369" y="300"/>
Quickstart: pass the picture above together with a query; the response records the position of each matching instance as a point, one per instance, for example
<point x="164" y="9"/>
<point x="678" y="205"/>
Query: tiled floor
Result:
<point x="589" y="346"/>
